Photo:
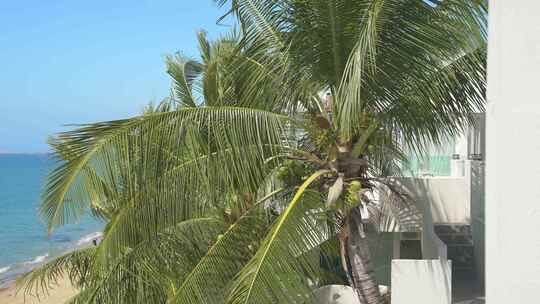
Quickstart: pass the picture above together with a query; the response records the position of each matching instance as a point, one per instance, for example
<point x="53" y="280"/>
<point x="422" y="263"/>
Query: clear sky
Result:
<point x="67" y="61"/>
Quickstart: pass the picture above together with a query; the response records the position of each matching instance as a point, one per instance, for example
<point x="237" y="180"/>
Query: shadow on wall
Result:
<point x="421" y="282"/>
<point x="478" y="218"/>
<point x="454" y="203"/>
<point x="419" y="192"/>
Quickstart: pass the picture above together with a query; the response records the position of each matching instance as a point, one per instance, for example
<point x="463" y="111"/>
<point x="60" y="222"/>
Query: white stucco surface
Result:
<point x="447" y="198"/>
<point x="336" y="294"/>
<point x="421" y="282"/>
<point x="512" y="151"/>
<point x="450" y="199"/>
<point x="442" y="200"/>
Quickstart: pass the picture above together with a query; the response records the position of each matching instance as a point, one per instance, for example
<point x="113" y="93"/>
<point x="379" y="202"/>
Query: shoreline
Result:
<point x="60" y="293"/>
<point x="15" y="271"/>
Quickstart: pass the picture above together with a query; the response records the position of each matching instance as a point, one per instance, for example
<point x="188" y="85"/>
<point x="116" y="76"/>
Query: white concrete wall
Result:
<point x="512" y="151"/>
<point x="448" y="198"/>
<point x="442" y="200"/>
<point x="421" y="282"/>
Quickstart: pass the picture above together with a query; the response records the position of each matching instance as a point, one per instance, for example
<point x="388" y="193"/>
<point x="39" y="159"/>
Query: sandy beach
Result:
<point x="60" y="294"/>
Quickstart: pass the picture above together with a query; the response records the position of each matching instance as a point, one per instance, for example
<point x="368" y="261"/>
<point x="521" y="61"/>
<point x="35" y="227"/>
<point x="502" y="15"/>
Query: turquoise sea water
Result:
<point x="24" y="242"/>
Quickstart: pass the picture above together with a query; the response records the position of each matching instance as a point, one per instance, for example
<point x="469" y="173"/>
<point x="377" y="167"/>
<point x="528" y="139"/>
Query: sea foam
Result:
<point x="38" y="259"/>
<point x="89" y="238"/>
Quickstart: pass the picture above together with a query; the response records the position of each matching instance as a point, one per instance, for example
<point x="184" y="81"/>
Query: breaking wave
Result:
<point x="89" y="238"/>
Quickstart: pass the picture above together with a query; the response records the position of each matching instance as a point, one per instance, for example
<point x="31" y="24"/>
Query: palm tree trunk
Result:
<point x="362" y="270"/>
<point x="343" y="241"/>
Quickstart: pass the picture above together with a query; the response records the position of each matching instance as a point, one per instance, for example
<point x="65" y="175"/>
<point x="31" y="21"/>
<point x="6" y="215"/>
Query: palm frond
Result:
<point x="394" y="210"/>
<point x="360" y="64"/>
<point x="221" y="262"/>
<point x="184" y="72"/>
<point x="276" y="272"/>
<point x="75" y="265"/>
<point x="145" y="272"/>
<point x="127" y="154"/>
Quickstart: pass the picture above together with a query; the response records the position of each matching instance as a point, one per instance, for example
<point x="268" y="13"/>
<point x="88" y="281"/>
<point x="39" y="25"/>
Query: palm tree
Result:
<point x="234" y="188"/>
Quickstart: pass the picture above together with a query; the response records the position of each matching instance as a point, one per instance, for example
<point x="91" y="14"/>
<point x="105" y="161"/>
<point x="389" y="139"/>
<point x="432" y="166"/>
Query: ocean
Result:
<point x="24" y="242"/>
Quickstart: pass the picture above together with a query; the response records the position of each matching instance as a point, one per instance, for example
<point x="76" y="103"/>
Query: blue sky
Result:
<point x="68" y="62"/>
